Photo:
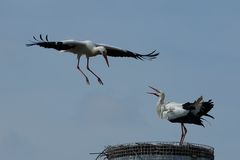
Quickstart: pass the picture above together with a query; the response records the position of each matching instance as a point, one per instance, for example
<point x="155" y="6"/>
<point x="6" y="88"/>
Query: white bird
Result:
<point x="182" y="112"/>
<point x="89" y="49"/>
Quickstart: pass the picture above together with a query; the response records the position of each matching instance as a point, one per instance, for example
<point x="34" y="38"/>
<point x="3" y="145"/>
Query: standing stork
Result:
<point x="182" y="112"/>
<point x="89" y="49"/>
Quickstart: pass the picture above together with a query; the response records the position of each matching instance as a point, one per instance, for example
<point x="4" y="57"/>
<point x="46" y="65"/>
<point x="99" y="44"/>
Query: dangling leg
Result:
<point x="78" y="58"/>
<point x="99" y="79"/>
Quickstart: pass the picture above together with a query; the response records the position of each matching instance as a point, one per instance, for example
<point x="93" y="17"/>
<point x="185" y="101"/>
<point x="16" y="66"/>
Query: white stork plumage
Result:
<point x="182" y="112"/>
<point x="89" y="49"/>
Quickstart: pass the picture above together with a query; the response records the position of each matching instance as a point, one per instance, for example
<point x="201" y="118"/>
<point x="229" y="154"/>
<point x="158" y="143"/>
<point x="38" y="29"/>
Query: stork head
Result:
<point x="160" y="104"/>
<point x="156" y="92"/>
<point x="102" y="51"/>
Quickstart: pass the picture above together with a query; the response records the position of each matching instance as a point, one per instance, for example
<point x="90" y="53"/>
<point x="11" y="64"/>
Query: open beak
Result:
<point x="106" y="58"/>
<point x="156" y="93"/>
<point x="156" y="90"/>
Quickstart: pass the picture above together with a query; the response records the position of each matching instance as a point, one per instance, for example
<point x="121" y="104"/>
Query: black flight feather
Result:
<point x="46" y="44"/>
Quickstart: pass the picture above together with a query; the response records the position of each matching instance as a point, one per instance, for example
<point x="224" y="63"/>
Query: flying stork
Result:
<point x="89" y="49"/>
<point x="182" y="112"/>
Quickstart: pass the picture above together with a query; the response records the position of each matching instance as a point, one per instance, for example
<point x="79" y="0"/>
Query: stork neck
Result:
<point x="162" y="98"/>
<point x="161" y="105"/>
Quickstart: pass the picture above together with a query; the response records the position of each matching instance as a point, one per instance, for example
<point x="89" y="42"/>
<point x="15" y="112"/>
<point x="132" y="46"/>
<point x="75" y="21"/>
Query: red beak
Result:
<point x="154" y="89"/>
<point x="106" y="59"/>
<point x="155" y="94"/>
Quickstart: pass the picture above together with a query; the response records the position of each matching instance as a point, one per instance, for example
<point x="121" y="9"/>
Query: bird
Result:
<point x="191" y="113"/>
<point x="89" y="49"/>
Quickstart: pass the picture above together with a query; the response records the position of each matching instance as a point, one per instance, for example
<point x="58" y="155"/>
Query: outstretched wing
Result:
<point x="46" y="44"/>
<point x="117" y="52"/>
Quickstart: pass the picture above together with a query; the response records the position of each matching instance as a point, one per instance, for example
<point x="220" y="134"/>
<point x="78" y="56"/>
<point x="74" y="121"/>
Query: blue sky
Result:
<point x="48" y="112"/>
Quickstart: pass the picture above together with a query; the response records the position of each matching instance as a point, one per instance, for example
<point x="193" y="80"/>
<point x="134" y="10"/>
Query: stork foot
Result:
<point x="87" y="81"/>
<point x="100" y="81"/>
<point x="181" y="143"/>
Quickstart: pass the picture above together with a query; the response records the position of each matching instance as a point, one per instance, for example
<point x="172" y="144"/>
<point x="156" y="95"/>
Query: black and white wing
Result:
<point x="199" y="107"/>
<point x="117" y="52"/>
<point x="60" y="46"/>
<point x="205" y="108"/>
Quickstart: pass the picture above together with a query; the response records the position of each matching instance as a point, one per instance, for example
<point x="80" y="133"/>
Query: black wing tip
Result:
<point x="209" y="104"/>
<point x="208" y="115"/>
<point x="30" y="44"/>
<point x="41" y="38"/>
<point x="149" y="56"/>
<point x="37" y="41"/>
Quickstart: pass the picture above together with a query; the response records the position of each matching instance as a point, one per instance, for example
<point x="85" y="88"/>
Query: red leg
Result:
<point x="181" y="140"/>
<point x="185" y="132"/>
<point x="78" y="57"/>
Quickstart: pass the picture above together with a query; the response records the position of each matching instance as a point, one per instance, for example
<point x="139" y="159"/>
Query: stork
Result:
<point x="182" y="112"/>
<point x="89" y="49"/>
